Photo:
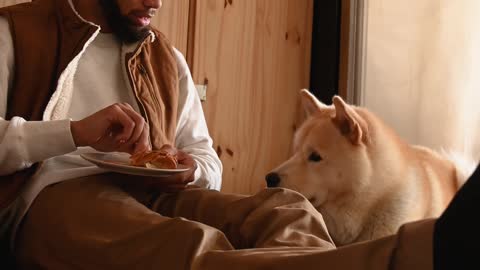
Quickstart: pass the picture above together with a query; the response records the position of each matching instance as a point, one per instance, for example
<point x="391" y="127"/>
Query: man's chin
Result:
<point x="139" y="30"/>
<point x="135" y="34"/>
<point x="126" y="29"/>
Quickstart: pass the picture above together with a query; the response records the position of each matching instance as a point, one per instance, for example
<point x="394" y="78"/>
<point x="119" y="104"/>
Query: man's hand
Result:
<point x="117" y="128"/>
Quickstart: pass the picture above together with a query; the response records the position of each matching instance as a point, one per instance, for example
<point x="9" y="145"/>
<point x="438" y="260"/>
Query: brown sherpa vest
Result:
<point x="47" y="35"/>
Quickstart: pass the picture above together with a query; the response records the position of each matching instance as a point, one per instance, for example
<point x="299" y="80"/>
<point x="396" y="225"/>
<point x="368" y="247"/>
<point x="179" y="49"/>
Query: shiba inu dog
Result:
<point x="363" y="179"/>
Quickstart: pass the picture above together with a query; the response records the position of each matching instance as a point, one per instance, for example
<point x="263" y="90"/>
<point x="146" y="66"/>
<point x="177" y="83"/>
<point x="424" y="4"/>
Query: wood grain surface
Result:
<point x="4" y="3"/>
<point x="255" y="57"/>
<point x="172" y="20"/>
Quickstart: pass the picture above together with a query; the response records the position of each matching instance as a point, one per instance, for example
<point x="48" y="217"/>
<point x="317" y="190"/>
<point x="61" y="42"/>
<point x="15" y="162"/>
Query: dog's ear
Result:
<point x="310" y="103"/>
<point x="348" y="121"/>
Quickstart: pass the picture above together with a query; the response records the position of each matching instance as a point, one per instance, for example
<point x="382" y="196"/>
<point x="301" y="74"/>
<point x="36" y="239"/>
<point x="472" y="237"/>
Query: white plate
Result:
<point x="120" y="162"/>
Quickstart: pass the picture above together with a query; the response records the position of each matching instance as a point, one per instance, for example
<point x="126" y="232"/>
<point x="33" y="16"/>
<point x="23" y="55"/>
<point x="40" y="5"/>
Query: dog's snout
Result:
<point x="273" y="179"/>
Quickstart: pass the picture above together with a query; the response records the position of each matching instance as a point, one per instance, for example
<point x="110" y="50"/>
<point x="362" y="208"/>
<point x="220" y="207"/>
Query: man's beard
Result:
<point x="121" y="26"/>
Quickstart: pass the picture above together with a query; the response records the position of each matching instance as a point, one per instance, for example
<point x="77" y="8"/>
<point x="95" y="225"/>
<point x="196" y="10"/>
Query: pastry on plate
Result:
<point x="156" y="159"/>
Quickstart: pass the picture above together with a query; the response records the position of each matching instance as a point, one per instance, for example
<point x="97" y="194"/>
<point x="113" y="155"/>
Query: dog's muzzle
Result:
<point x="273" y="179"/>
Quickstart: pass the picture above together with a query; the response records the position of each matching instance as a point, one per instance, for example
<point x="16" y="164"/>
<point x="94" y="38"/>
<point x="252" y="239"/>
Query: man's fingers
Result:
<point x="137" y="118"/>
<point x="143" y="142"/>
<point x="185" y="159"/>
<point x="169" y="149"/>
<point x="118" y="116"/>
<point x="126" y="104"/>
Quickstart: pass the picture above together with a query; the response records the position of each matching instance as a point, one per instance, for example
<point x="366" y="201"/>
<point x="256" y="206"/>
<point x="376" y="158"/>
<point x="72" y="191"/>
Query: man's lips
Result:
<point x="143" y="21"/>
<point x="140" y="21"/>
<point x="142" y="18"/>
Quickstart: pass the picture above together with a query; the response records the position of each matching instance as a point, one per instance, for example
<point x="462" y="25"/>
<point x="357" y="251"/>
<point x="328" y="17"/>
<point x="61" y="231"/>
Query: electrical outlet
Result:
<point x="202" y="91"/>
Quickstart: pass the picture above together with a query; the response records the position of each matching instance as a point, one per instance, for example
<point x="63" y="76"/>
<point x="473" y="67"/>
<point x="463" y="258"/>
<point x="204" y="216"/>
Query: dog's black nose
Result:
<point x="273" y="179"/>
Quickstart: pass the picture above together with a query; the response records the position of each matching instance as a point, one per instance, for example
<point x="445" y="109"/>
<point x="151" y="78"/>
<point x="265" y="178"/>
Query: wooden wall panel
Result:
<point x="255" y="56"/>
<point x="4" y="3"/>
<point x="172" y="20"/>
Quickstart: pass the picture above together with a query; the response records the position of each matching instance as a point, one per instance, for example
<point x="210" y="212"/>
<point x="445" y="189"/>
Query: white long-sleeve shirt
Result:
<point x="98" y="81"/>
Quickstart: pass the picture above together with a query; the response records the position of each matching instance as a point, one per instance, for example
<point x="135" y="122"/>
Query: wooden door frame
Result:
<point x="192" y="13"/>
<point x="353" y="50"/>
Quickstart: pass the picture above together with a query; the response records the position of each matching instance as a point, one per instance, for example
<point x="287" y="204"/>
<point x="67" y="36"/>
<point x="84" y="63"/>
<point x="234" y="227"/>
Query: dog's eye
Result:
<point x="315" y="157"/>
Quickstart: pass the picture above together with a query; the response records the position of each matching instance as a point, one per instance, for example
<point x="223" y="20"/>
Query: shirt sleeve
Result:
<point x="23" y="143"/>
<point x="192" y="133"/>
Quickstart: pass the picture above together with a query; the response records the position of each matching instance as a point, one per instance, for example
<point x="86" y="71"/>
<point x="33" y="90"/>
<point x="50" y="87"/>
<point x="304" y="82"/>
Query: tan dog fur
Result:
<point x="368" y="181"/>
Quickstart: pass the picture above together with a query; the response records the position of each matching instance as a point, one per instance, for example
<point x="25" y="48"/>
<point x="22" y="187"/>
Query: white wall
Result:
<point x="422" y="70"/>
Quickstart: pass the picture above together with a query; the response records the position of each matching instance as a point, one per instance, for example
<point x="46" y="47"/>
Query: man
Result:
<point x="92" y="75"/>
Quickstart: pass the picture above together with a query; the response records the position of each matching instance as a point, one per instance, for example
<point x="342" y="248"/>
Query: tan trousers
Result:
<point x="94" y="223"/>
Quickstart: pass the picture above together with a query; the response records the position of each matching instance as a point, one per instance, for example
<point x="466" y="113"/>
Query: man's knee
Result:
<point x="283" y="196"/>
<point x="192" y="233"/>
